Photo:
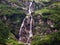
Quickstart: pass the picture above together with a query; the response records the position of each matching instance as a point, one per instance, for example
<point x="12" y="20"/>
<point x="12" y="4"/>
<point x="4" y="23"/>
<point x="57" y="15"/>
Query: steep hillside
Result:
<point x="46" y="17"/>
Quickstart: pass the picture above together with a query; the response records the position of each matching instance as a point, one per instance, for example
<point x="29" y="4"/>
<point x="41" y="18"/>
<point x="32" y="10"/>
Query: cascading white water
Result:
<point x="30" y="19"/>
<point x="30" y="11"/>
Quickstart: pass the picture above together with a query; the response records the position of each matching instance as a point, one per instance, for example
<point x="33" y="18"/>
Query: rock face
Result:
<point x="24" y="33"/>
<point x="43" y="26"/>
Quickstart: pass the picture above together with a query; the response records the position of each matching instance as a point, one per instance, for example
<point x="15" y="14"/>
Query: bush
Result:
<point x="51" y="39"/>
<point x="4" y="33"/>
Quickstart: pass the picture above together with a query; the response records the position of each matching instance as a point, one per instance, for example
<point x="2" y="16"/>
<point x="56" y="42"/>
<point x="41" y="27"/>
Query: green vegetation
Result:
<point x="51" y="39"/>
<point x="7" y="10"/>
<point x="4" y="33"/>
<point x="52" y="13"/>
<point x="9" y="28"/>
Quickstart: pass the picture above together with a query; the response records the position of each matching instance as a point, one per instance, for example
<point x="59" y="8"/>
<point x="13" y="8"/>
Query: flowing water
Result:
<point x="25" y="32"/>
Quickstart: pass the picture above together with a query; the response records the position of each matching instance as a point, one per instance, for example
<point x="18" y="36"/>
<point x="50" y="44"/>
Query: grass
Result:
<point x="7" y="10"/>
<point x="42" y="0"/>
<point x="41" y="11"/>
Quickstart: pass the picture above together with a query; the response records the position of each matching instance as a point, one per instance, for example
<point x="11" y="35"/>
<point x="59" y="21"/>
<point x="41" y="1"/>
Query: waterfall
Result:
<point x="30" y="8"/>
<point x="25" y="32"/>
